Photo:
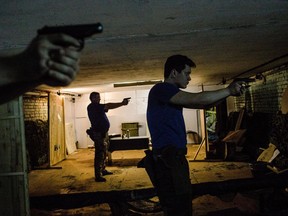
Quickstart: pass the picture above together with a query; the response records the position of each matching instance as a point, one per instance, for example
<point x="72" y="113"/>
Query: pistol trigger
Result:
<point x="81" y="41"/>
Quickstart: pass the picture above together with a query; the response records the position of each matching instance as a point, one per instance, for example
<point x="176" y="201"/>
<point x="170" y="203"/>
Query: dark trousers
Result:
<point x="101" y="143"/>
<point x="172" y="183"/>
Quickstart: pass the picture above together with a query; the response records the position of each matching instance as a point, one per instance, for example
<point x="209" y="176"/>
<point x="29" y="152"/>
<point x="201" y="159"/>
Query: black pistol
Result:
<point x="128" y="98"/>
<point x="245" y="80"/>
<point x="79" y="32"/>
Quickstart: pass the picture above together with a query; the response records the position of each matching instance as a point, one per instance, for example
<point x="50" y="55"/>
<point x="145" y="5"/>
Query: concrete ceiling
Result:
<point x="224" y="38"/>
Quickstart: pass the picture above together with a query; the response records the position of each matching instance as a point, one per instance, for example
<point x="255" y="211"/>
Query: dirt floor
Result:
<point x="75" y="176"/>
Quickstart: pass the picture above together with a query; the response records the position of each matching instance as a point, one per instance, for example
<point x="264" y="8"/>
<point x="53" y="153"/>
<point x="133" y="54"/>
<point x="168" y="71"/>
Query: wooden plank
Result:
<point x="234" y="136"/>
<point x="239" y="120"/>
<point x="13" y="168"/>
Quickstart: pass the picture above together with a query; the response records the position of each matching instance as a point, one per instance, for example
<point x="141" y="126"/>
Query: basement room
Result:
<point x="229" y="102"/>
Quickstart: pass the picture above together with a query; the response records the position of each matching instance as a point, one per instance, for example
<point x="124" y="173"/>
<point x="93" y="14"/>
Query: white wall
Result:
<point x="135" y="111"/>
<point x="70" y="130"/>
<point x="81" y="121"/>
<point x="69" y="110"/>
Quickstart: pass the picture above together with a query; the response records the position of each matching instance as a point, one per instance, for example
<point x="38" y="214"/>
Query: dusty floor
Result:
<point x="75" y="175"/>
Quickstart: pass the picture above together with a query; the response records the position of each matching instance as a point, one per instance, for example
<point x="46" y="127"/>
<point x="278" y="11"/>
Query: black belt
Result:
<point x="177" y="151"/>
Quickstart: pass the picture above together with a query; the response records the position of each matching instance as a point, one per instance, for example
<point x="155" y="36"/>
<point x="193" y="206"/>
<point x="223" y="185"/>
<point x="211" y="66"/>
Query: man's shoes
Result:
<point x="100" y="179"/>
<point x="106" y="172"/>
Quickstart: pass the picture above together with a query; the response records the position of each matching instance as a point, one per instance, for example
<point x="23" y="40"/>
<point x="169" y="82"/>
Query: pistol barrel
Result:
<point x="77" y="31"/>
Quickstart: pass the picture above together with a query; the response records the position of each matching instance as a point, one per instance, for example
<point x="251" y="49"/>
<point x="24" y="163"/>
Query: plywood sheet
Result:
<point x="56" y="129"/>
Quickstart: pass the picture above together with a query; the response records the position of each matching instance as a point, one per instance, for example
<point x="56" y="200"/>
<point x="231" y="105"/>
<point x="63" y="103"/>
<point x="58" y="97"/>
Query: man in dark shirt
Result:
<point x="99" y="132"/>
<point x="167" y="128"/>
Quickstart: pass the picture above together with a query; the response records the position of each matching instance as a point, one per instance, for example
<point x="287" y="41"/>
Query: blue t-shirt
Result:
<point x="165" y="120"/>
<point x="97" y="116"/>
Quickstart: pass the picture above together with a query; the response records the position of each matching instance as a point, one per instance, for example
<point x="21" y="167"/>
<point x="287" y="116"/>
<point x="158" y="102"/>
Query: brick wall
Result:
<point x="265" y="96"/>
<point x="35" y="107"/>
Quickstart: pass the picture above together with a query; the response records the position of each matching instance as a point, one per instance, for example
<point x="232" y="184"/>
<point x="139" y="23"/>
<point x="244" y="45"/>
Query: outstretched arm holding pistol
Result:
<point x="245" y="81"/>
<point x="124" y="102"/>
<point x="51" y="58"/>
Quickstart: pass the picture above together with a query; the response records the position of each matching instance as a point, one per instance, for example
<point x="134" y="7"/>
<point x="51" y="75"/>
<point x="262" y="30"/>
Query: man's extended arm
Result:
<point x="206" y="99"/>
<point x="116" y="105"/>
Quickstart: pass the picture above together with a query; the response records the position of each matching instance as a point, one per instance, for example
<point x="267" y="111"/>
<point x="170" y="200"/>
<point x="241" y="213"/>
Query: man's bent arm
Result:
<point x="35" y="66"/>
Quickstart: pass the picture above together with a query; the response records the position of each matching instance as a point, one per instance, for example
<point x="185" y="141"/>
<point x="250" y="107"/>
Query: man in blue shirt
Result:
<point x="168" y="134"/>
<point x="99" y="132"/>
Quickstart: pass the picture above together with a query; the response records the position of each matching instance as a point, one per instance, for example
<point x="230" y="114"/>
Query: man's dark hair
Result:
<point x="93" y="94"/>
<point x="178" y="63"/>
